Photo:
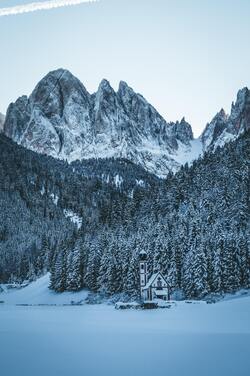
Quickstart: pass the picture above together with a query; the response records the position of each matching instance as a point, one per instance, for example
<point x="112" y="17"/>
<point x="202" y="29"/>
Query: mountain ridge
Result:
<point x="62" y="119"/>
<point x="226" y="127"/>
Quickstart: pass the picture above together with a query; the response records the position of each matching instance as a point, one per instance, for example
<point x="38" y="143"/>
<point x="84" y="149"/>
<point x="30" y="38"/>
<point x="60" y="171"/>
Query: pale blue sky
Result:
<point x="187" y="57"/>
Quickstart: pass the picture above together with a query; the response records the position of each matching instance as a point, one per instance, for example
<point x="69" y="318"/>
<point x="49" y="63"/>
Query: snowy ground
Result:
<point x="38" y="293"/>
<point x="190" y="339"/>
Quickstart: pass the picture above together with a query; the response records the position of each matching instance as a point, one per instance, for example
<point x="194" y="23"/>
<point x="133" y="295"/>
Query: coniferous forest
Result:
<point x="194" y="224"/>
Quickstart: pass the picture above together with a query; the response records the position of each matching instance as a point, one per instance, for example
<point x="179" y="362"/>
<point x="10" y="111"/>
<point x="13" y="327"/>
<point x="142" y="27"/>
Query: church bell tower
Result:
<point x="143" y="271"/>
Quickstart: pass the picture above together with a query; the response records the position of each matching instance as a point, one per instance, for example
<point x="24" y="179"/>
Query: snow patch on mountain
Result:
<point x="74" y="217"/>
<point x="42" y="191"/>
<point x="140" y="183"/>
<point x="187" y="154"/>
<point x="54" y="198"/>
<point x="118" y="181"/>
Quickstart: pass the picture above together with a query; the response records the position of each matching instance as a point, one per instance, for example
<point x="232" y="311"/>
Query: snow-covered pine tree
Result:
<point x="93" y="264"/>
<point x="132" y="283"/>
<point x="199" y="269"/>
<point x="187" y="274"/>
<point x="230" y="266"/>
<point x="74" y="268"/>
<point x="243" y="252"/>
<point x="58" y="271"/>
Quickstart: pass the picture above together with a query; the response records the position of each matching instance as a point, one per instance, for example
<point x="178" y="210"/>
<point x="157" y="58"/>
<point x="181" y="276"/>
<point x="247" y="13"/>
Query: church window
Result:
<point x="159" y="283"/>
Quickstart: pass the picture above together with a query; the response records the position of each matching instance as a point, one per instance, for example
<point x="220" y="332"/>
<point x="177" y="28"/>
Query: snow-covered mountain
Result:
<point x="223" y="127"/>
<point x="63" y="120"/>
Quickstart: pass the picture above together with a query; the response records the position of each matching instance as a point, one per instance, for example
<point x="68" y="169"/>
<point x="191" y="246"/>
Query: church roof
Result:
<point x="152" y="279"/>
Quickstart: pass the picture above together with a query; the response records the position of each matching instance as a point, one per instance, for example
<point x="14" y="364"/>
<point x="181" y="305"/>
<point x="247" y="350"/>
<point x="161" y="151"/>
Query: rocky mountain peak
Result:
<point x="105" y="93"/>
<point x="223" y="127"/>
<point x="61" y="85"/>
<point x="105" y="96"/>
<point x="124" y="90"/>
<point x="105" y="86"/>
<point x="17" y="118"/>
<point x="242" y="97"/>
<point x="61" y="119"/>
<point x="220" y="118"/>
<point x="222" y="114"/>
<point x="123" y="86"/>
<point x="240" y="111"/>
<point x="182" y="130"/>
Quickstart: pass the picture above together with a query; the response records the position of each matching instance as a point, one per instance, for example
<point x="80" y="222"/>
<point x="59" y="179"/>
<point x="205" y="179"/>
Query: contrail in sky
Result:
<point x="41" y="5"/>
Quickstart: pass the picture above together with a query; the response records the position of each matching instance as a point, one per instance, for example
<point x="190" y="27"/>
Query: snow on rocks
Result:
<point x="54" y="198"/>
<point x="225" y="128"/>
<point x="73" y="217"/>
<point x="63" y="120"/>
<point x="140" y="183"/>
<point x="118" y="180"/>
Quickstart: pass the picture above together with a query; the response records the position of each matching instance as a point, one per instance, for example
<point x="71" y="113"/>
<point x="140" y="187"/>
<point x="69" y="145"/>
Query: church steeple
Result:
<point x="143" y="270"/>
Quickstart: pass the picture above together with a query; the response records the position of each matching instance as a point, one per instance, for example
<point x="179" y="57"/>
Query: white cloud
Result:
<point x="42" y="5"/>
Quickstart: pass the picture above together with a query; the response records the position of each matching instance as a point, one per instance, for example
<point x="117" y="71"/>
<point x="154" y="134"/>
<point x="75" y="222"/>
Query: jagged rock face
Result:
<point x="240" y="112"/>
<point x="63" y="120"/>
<point x="214" y="130"/>
<point x="50" y="120"/>
<point x="182" y="131"/>
<point x="2" y="117"/>
<point x="224" y="128"/>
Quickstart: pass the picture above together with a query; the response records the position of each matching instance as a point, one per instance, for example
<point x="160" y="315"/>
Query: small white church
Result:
<point x="155" y="287"/>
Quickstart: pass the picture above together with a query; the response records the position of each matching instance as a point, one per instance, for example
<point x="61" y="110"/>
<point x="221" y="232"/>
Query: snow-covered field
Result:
<point x="191" y="339"/>
<point x="38" y="292"/>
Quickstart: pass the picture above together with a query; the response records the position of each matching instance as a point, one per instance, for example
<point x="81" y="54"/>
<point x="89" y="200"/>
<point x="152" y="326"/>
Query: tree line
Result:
<point x="194" y="225"/>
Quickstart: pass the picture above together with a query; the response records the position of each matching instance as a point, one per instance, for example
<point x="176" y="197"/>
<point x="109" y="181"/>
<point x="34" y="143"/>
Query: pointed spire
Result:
<point x="105" y="86"/>
<point x="222" y="112"/>
<point x="143" y="255"/>
<point x="124" y="89"/>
